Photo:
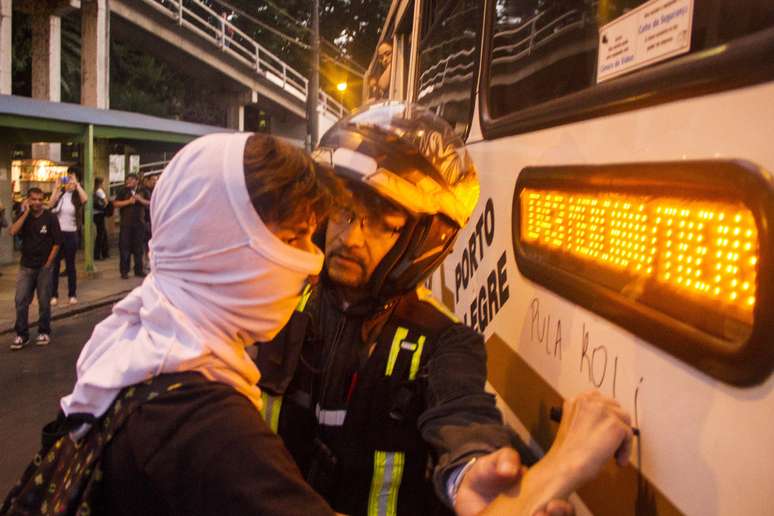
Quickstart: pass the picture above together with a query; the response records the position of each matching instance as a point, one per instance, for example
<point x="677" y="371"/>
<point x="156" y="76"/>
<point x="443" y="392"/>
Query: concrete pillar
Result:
<point x="46" y="57"/>
<point x="234" y="103"/>
<point x="6" y="198"/>
<point x="6" y="50"/>
<point x="46" y="72"/>
<point x="88" y="212"/>
<point x="95" y="53"/>
<point x="102" y="169"/>
<point x="235" y="117"/>
<point x="102" y="161"/>
<point x="289" y="127"/>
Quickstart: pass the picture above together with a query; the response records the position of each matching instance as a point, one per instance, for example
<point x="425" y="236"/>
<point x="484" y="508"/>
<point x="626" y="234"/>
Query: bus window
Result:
<point x="539" y="51"/>
<point x="448" y="59"/>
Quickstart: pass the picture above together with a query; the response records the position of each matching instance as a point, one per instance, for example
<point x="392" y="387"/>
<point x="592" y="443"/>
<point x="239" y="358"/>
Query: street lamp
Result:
<point x="342" y="87"/>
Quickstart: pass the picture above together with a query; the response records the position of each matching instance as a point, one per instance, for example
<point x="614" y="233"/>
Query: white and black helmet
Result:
<point x="412" y="157"/>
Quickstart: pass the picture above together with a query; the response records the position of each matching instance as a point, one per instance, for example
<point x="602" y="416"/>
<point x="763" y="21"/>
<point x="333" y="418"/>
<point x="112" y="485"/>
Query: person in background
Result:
<point x="384" y="55"/>
<point x="67" y="201"/>
<point x="131" y="200"/>
<point x="41" y="240"/>
<point x="101" y="243"/>
<point x="379" y="78"/>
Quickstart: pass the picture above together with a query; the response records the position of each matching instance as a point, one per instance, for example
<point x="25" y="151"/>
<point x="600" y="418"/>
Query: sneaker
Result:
<point x="124" y="276"/>
<point x="73" y="300"/>
<point x="19" y="342"/>
<point x="140" y="275"/>
<point x="54" y="301"/>
<point x="42" y="340"/>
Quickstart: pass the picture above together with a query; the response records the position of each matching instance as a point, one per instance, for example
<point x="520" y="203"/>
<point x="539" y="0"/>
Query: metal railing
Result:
<point x="154" y="167"/>
<point x="535" y="37"/>
<point x="202" y="20"/>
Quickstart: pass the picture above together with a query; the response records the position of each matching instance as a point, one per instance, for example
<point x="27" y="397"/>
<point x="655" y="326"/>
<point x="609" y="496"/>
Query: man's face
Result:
<point x="35" y="201"/>
<point x="359" y="236"/>
<point x="131" y="182"/>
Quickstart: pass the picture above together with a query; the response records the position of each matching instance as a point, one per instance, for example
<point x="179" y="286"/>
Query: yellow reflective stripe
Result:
<point x="304" y="298"/>
<point x="388" y="473"/>
<point x="415" y="359"/>
<point x="271" y="410"/>
<point x="400" y="334"/>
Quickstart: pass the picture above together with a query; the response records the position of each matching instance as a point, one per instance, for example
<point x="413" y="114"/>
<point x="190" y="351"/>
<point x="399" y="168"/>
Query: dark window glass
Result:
<point x="544" y="49"/>
<point x="448" y="59"/>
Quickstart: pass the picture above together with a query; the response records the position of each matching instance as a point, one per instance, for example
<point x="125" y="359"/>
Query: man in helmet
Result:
<point x="376" y="389"/>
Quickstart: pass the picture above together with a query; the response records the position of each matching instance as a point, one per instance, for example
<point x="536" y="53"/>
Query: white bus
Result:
<point x="623" y="238"/>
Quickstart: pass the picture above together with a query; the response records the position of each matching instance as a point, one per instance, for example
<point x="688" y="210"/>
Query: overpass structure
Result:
<point x="187" y="34"/>
<point x="202" y="39"/>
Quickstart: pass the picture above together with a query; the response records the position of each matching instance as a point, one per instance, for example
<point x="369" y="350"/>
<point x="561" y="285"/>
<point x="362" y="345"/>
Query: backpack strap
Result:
<point x="65" y="476"/>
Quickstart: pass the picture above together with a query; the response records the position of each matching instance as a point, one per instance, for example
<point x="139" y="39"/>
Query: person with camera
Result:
<point x="131" y="201"/>
<point x="41" y="239"/>
<point x="67" y="202"/>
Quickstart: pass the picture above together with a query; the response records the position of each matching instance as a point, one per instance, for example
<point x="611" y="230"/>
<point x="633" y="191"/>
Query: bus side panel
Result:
<point x="705" y="446"/>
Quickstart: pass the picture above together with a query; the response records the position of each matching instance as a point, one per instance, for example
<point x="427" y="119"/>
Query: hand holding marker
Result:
<point x="556" y="415"/>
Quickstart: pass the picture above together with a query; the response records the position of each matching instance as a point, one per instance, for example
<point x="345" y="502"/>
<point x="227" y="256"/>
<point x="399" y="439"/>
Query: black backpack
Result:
<point x="65" y="477"/>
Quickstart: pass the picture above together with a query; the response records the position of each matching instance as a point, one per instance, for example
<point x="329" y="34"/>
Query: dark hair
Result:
<point x="75" y="170"/>
<point x="285" y="184"/>
<point x="132" y="175"/>
<point x="98" y="181"/>
<point x="34" y="190"/>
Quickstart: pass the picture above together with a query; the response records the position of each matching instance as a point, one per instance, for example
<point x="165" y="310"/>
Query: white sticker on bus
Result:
<point x="653" y="32"/>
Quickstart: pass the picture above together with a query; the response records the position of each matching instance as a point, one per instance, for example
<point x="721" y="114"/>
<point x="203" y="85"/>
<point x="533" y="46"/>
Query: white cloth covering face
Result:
<point x="220" y="280"/>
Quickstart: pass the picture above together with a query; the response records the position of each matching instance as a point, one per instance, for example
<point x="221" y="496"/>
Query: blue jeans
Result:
<point x="27" y="282"/>
<point x="67" y="251"/>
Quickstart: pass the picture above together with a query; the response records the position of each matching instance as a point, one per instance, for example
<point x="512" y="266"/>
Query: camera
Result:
<point x="65" y="180"/>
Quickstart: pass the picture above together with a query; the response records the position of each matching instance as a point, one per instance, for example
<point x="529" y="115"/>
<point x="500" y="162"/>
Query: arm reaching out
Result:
<point x="594" y="429"/>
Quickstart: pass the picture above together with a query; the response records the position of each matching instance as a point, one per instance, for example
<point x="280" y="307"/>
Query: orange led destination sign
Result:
<point x="680" y="253"/>
<point x="704" y="251"/>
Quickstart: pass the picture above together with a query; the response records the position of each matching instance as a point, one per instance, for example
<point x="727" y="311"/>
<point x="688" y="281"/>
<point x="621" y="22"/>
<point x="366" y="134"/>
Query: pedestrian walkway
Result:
<point x="105" y="286"/>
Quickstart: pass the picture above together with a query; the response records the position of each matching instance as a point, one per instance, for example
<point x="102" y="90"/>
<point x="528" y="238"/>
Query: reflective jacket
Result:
<point x="377" y="405"/>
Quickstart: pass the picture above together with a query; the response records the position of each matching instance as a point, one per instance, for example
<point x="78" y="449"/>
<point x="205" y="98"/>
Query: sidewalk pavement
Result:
<point x="100" y="288"/>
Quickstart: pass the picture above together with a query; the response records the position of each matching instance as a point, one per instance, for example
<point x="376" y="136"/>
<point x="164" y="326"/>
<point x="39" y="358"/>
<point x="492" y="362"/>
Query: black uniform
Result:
<point x="377" y="405"/>
<point x="131" y="236"/>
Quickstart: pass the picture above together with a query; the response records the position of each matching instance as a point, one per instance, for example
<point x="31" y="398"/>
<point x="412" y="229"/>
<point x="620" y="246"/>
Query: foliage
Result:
<point x="353" y="27"/>
<point x="141" y="83"/>
<point x="21" y="63"/>
<point x="146" y="84"/>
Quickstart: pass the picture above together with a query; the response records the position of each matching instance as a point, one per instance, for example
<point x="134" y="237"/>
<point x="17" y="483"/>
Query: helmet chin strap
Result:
<point x="376" y="285"/>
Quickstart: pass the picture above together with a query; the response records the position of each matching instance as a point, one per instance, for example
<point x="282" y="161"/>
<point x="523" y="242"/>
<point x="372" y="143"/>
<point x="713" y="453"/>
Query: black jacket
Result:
<point x="408" y="381"/>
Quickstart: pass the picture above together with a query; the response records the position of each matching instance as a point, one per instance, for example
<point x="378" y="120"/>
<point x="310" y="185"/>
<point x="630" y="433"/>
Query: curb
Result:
<point x="76" y="311"/>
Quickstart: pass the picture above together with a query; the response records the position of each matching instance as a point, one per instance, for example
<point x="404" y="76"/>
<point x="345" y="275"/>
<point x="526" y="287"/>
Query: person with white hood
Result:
<point x="164" y="416"/>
